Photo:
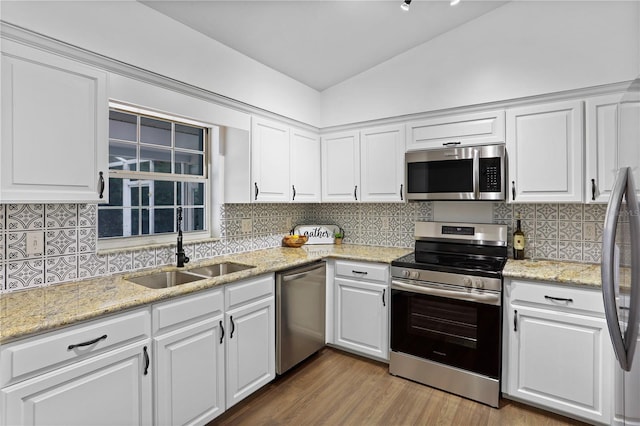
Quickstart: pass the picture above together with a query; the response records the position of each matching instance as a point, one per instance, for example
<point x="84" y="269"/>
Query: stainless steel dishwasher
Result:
<point x="300" y="314"/>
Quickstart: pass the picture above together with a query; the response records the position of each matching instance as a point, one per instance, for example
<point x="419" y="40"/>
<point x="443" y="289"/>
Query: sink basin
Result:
<point x="166" y="279"/>
<point x="173" y="278"/>
<point x="219" y="269"/>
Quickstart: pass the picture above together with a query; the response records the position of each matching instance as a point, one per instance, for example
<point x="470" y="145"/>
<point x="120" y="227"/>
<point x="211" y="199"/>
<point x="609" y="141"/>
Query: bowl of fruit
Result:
<point x="294" y="240"/>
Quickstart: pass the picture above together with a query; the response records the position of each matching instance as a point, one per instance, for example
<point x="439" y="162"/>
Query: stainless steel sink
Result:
<point x="173" y="278"/>
<point x="219" y="269"/>
<point x="166" y="279"/>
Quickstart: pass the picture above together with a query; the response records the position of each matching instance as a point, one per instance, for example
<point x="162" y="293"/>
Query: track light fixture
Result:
<point x="405" y="5"/>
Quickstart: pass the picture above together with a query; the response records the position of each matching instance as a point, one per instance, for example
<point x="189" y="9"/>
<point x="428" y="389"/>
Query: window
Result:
<point x="156" y="165"/>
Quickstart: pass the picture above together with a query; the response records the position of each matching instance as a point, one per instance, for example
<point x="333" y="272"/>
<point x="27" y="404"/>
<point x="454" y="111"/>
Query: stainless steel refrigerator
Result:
<point x="621" y="266"/>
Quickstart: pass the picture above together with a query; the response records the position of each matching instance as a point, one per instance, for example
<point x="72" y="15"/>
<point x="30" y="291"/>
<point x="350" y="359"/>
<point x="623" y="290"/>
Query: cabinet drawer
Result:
<point x="186" y="310"/>
<point x="38" y="354"/>
<point x="366" y="271"/>
<point x="249" y="290"/>
<point x="558" y="296"/>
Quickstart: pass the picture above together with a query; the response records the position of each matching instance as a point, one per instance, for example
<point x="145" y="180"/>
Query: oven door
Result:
<point x="441" y="323"/>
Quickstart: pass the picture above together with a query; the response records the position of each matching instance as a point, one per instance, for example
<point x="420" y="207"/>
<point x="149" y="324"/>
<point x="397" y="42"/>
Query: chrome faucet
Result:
<point x="182" y="257"/>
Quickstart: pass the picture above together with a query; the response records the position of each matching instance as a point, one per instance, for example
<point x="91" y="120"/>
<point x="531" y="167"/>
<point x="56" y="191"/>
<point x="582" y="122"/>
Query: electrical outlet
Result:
<point x="589" y="231"/>
<point x="385" y="223"/>
<point x="246" y="225"/>
<point x="35" y="243"/>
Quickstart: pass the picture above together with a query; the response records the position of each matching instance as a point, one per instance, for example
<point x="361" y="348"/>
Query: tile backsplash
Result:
<point x="554" y="231"/>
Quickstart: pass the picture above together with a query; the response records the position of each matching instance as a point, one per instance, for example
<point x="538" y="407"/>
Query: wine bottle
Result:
<point x="518" y="241"/>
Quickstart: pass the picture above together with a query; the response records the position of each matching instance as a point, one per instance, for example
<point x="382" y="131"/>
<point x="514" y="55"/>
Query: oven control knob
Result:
<point x="467" y="282"/>
<point x="406" y="273"/>
<point x="415" y="275"/>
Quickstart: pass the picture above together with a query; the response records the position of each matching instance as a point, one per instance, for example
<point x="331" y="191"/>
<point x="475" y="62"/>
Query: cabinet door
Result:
<point x="270" y="161"/>
<point x="362" y="317"/>
<point x="189" y="373"/>
<point x="341" y="167"/>
<point x="251" y="355"/>
<point x="562" y="361"/>
<point x="456" y="130"/>
<point x="382" y="164"/>
<point x="113" y="388"/>
<point x="305" y="167"/>
<point x="545" y="150"/>
<point x="54" y="128"/>
<point x="613" y="132"/>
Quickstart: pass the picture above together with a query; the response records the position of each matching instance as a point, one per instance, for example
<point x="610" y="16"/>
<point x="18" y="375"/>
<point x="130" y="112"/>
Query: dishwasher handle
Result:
<point x="301" y="272"/>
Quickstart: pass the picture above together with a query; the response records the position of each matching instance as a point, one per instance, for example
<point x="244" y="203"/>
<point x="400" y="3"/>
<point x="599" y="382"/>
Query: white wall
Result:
<point x="136" y="34"/>
<point x="521" y="49"/>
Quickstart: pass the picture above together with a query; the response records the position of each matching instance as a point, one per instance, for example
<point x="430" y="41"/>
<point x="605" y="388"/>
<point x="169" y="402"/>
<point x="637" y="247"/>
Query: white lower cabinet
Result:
<point x="361" y="308"/>
<point x="72" y="380"/>
<point x="250" y="349"/>
<point x="213" y="349"/>
<point x="189" y="359"/>
<point x="559" y="355"/>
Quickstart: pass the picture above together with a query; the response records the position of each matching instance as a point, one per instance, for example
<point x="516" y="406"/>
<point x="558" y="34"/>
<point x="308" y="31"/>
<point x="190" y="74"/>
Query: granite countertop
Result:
<point x="574" y="273"/>
<point x="24" y="313"/>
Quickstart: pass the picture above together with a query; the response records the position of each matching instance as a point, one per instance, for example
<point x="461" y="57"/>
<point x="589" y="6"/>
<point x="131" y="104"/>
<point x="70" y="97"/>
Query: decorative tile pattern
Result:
<point x="61" y="216"/>
<point x="22" y="217"/>
<point x="91" y="265"/>
<point x="60" y="242"/>
<point x="25" y="274"/>
<point x="144" y="259"/>
<point x="61" y="268"/>
<point x="554" y="231"/>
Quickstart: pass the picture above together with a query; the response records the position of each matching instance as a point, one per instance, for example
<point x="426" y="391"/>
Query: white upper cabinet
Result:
<point x="285" y="163"/>
<point x="305" y="167"/>
<point x="341" y="167"/>
<point x="382" y="164"/>
<point x="545" y="151"/>
<point x="270" y="161"/>
<point x="456" y="130"/>
<point x="54" y="128"/>
<point x="613" y="141"/>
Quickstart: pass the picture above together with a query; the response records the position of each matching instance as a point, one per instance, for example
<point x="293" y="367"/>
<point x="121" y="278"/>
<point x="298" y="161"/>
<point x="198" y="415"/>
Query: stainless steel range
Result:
<point x="446" y="309"/>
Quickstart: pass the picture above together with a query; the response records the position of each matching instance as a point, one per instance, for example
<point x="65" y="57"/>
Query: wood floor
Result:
<point x="336" y="388"/>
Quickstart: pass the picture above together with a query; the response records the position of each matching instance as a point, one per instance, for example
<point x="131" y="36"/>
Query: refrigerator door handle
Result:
<point x="607" y="267"/>
<point x="624" y="346"/>
<point x="633" y="320"/>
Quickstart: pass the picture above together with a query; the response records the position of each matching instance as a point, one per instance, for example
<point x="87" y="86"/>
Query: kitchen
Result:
<point x="559" y="64"/>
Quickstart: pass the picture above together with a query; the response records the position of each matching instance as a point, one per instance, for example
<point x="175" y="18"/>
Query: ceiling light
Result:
<point x="454" y="2"/>
<point x="405" y="6"/>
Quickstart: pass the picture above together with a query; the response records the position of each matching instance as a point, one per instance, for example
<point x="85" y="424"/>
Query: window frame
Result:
<point x="145" y="241"/>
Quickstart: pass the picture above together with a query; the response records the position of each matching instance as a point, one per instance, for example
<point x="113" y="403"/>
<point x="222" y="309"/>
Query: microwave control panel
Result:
<point x="490" y="175"/>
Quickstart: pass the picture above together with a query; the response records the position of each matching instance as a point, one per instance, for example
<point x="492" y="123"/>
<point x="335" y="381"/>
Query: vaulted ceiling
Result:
<point x="321" y="43"/>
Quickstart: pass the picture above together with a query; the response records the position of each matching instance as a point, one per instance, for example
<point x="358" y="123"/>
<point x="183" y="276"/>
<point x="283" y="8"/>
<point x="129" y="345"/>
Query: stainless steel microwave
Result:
<point x="465" y="173"/>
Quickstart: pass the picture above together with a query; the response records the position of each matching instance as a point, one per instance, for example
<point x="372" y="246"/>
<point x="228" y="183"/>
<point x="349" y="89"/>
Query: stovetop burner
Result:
<point x="467" y="249"/>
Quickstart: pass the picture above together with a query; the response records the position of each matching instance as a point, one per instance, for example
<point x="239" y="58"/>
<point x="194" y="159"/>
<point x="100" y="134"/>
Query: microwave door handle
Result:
<point x="476" y="174"/>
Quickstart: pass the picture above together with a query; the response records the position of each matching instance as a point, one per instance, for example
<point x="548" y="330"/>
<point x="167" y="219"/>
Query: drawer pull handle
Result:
<point x="146" y="361"/>
<point x="233" y="327"/>
<point x="222" y="335"/>
<point x="451" y="143"/>
<point x="384" y="290"/>
<point x="89" y="343"/>
<point x="359" y="272"/>
<point x="515" y="320"/>
<point x="558" y="299"/>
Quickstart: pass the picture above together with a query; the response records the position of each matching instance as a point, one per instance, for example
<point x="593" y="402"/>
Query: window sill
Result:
<point x="148" y="246"/>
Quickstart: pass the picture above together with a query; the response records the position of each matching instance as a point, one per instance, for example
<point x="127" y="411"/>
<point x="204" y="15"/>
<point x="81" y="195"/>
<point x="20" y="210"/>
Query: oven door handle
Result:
<point x="484" y="297"/>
